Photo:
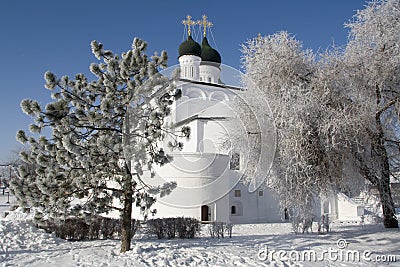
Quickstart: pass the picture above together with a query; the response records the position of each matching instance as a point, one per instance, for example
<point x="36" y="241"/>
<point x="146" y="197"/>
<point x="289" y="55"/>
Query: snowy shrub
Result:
<point x="302" y="224"/>
<point x="72" y="229"/>
<point x="78" y="229"/>
<point x="169" y="225"/>
<point x="156" y="227"/>
<point x="217" y="229"/>
<point x="173" y="227"/>
<point x="136" y="224"/>
<point x="324" y="224"/>
<point x="94" y="229"/>
<point x="110" y="227"/>
<point x="229" y="228"/>
<point x="187" y="227"/>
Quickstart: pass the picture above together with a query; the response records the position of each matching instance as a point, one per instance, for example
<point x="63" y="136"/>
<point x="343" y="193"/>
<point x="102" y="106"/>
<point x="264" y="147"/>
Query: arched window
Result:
<point x="209" y="79"/>
<point x="233" y="210"/>
<point x="192" y="71"/>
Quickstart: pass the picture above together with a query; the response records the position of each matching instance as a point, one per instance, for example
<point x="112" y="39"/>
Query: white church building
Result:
<point x="207" y="174"/>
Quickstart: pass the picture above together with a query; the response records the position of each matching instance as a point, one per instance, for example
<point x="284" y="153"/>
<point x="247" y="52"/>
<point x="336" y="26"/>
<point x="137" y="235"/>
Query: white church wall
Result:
<point x="192" y="168"/>
<point x="189" y="107"/>
<point x="253" y="207"/>
<point x="165" y="211"/>
<point x="215" y="133"/>
<point x="348" y="209"/>
<point x="269" y="203"/>
<point x="202" y="180"/>
<point x="179" y="111"/>
<point x="209" y="73"/>
<point x="217" y="211"/>
<point x="329" y="205"/>
<point x="191" y="144"/>
<point x="190" y="67"/>
<point x="317" y="208"/>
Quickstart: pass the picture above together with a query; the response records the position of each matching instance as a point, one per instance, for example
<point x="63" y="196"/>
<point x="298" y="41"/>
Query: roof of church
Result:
<point x="189" y="47"/>
<point x="209" y="54"/>
<point x="220" y="85"/>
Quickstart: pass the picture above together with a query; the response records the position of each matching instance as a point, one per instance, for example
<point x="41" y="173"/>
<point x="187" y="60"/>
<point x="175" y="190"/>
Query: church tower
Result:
<point x="199" y="63"/>
<point x="210" y="63"/>
<point x="189" y="54"/>
<point x="210" y="58"/>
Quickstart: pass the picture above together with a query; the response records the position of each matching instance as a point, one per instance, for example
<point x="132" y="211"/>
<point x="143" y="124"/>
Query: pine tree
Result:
<point x="105" y="135"/>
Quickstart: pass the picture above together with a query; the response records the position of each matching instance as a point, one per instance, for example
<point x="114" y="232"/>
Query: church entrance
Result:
<point x="205" y="213"/>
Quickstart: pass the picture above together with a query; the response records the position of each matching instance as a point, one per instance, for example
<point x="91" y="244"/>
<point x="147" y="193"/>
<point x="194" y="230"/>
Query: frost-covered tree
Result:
<point x="282" y="72"/>
<point x="372" y="69"/>
<point x="336" y="117"/>
<point x="82" y="167"/>
<point x="16" y="162"/>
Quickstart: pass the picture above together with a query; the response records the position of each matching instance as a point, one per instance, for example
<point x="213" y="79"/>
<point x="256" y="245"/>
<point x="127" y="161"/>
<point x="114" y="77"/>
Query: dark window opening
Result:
<point x="233" y="210"/>
<point x="238" y="193"/>
<point x="205" y="213"/>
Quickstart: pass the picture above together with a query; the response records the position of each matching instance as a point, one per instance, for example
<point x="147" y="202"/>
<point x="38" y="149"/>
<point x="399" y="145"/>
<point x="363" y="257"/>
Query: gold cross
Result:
<point x="205" y="24"/>
<point x="188" y="23"/>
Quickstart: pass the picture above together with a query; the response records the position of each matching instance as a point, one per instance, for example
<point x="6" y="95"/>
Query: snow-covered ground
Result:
<point x="21" y="244"/>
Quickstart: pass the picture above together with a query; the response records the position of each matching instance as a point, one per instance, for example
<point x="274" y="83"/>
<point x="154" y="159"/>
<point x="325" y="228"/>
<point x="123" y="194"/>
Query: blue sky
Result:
<point x="42" y="35"/>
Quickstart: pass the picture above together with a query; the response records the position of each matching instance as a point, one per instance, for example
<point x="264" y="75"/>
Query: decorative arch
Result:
<point x="194" y="92"/>
<point x="219" y="96"/>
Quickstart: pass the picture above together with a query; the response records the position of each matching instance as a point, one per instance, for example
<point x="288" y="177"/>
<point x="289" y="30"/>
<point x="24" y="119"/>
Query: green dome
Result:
<point x="189" y="47"/>
<point x="209" y="54"/>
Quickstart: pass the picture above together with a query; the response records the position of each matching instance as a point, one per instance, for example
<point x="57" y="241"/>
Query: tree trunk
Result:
<point x="126" y="227"/>
<point x="383" y="182"/>
<point x="389" y="218"/>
